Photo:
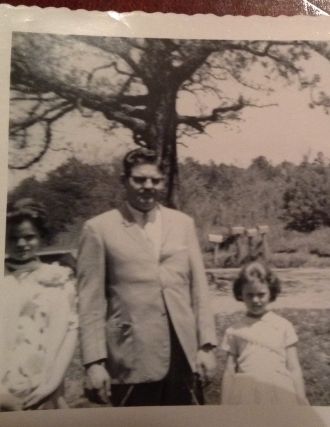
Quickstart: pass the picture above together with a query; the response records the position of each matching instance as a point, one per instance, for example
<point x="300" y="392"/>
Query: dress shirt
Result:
<point x="151" y="225"/>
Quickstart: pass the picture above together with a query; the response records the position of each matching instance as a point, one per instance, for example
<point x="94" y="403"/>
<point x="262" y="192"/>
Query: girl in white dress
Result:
<point x="38" y="318"/>
<point x="262" y="366"/>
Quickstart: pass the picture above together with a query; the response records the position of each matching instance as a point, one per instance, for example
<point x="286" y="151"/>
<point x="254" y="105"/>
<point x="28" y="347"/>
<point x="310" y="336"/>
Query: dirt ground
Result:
<point x="302" y="288"/>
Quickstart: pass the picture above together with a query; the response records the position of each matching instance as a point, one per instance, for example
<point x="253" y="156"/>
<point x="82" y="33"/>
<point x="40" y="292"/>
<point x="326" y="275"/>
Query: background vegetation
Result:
<point x="293" y="200"/>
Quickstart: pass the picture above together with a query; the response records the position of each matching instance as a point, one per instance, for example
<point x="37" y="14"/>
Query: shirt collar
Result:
<point x="143" y="217"/>
<point x="13" y="266"/>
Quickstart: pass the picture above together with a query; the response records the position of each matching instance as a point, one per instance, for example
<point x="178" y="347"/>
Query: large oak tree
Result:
<point x="136" y="84"/>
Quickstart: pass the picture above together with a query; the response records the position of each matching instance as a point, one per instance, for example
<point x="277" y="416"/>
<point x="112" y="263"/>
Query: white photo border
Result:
<point x="139" y="24"/>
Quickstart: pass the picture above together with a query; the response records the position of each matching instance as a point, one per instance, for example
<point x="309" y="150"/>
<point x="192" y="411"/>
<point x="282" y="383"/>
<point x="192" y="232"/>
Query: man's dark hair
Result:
<point x="141" y="156"/>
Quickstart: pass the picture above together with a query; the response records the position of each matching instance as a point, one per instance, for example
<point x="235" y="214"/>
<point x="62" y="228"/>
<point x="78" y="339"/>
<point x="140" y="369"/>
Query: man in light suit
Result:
<point x="145" y="319"/>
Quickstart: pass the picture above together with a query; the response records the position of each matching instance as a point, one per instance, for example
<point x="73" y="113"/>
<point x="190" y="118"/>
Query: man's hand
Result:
<point x="206" y="364"/>
<point x="98" y="380"/>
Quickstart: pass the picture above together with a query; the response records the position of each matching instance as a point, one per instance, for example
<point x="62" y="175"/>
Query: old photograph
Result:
<point x="167" y="223"/>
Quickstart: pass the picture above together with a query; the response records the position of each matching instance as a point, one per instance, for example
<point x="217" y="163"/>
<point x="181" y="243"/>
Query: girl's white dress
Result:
<point x="37" y="309"/>
<point x="259" y="348"/>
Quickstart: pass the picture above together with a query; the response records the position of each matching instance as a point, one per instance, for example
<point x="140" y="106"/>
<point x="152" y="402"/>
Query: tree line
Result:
<point x="218" y="196"/>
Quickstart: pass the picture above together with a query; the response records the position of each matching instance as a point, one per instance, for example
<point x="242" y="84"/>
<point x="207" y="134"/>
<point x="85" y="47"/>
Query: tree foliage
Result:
<point x="73" y="192"/>
<point x="307" y="197"/>
<point x="217" y="196"/>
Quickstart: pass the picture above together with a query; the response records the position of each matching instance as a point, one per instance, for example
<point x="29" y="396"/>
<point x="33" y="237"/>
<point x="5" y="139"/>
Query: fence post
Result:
<point x="238" y="232"/>
<point x="251" y="233"/>
<point x="216" y="239"/>
<point x="263" y="230"/>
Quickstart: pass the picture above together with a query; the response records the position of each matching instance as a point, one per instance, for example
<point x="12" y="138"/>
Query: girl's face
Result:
<point x="23" y="241"/>
<point x="256" y="297"/>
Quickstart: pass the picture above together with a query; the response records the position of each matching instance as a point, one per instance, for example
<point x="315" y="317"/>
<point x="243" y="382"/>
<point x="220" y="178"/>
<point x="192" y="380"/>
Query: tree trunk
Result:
<point x="161" y="136"/>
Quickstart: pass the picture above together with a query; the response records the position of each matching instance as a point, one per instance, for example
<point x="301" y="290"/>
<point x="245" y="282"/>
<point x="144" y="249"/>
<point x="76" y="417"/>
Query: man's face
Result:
<point x="144" y="186"/>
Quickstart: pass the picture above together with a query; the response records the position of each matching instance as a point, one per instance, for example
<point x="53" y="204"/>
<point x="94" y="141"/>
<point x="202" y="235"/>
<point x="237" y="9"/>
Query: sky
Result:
<point x="283" y="127"/>
<point x="288" y="131"/>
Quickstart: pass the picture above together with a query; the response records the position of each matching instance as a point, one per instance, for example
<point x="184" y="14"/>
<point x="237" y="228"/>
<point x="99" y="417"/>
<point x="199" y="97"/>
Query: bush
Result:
<point x="306" y="199"/>
<point x="290" y="243"/>
<point x="289" y="260"/>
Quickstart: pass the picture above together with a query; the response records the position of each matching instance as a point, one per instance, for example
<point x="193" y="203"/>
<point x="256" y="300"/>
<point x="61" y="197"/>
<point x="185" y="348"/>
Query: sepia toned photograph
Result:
<point x="167" y="223"/>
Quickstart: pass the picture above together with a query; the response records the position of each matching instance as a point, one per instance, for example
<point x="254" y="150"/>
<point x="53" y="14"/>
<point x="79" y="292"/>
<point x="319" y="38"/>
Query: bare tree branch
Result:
<point x="218" y="115"/>
<point x="151" y="73"/>
<point x="16" y="126"/>
<point x="37" y="157"/>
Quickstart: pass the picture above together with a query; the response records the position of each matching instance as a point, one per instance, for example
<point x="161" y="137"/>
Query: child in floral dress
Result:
<point x="38" y="319"/>
<point x="262" y="366"/>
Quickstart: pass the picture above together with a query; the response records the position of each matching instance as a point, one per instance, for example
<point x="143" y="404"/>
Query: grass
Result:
<point x="313" y="329"/>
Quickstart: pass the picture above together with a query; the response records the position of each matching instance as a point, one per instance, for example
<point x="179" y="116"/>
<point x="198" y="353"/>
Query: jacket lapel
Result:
<point x="166" y="227"/>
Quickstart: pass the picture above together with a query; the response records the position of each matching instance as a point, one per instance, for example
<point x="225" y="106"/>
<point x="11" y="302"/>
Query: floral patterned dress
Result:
<point x="259" y="348"/>
<point x="37" y="309"/>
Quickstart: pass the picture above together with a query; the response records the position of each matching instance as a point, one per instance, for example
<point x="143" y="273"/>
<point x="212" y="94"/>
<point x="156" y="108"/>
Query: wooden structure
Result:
<point x="216" y="239"/>
<point x="242" y="244"/>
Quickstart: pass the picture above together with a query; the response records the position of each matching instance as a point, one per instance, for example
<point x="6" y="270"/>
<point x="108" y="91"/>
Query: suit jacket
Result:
<point x="126" y="295"/>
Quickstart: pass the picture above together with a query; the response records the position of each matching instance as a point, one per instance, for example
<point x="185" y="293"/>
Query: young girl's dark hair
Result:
<point x="28" y="209"/>
<point x="257" y="271"/>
